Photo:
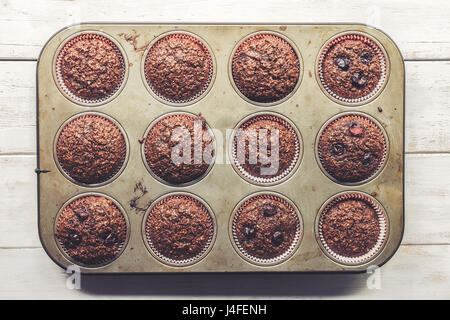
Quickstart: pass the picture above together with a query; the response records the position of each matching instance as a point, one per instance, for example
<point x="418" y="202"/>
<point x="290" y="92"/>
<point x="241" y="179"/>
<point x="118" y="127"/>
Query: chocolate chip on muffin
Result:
<point x="352" y="67"/>
<point x="352" y="148"/>
<point x="266" y="227"/>
<point x="91" y="230"/>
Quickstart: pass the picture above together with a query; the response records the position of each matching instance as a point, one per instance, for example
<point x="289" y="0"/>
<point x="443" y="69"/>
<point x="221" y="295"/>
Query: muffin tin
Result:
<point x="133" y="106"/>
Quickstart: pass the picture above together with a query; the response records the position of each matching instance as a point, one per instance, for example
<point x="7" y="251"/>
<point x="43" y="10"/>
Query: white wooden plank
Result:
<point x="17" y="107"/>
<point x="18" y="213"/>
<point x="419" y="28"/>
<point x="415" y="272"/>
<point x="427" y="107"/>
<point x="426" y="200"/>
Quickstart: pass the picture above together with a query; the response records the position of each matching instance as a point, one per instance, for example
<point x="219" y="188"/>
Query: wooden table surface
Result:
<point x="420" y="268"/>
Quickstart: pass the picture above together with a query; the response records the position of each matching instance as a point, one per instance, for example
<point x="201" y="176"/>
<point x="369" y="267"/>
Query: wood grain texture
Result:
<point x="18" y="213"/>
<point x="427" y="105"/>
<point x="25" y="26"/>
<point x="426" y="200"/>
<point x="17" y="107"/>
<point x="414" y="272"/>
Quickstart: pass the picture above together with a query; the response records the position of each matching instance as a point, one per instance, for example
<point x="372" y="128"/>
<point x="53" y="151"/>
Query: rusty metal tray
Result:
<point x="134" y="108"/>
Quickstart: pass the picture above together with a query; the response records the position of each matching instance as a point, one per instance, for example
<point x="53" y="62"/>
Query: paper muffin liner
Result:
<point x="113" y="174"/>
<point x="280" y="258"/>
<point x="262" y="35"/>
<point x="59" y="77"/>
<point x="211" y="71"/>
<point x="365" y="118"/>
<point x="380" y="54"/>
<point x="382" y="237"/>
<point x="189" y="116"/>
<point x="99" y="262"/>
<point x="188" y="261"/>
<point x="281" y="176"/>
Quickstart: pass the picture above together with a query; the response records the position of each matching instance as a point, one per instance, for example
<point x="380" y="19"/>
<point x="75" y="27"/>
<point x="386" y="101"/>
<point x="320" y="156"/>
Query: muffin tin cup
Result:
<point x="119" y="251"/>
<point x="83" y="35"/>
<point x="222" y="188"/>
<point x="249" y="38"/>
<point x="287" y="172"/>
<point x="112" y="176"/>
<point x="382" y="56"/>
<point x="382" y="220"/>
<point x="144" y="149"/>
<point x="365" y="117"/>
<point x="211" y="75"/>
<point x="185" y="262"/>
<point x="282" y="257"/>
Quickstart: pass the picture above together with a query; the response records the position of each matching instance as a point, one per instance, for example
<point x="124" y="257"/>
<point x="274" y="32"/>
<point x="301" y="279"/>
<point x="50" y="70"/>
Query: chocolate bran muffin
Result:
<point x="266" y="228"/>
<point x="91" y="149"/>
<point x="178" y="68"/>
<point x="179" y="229"/>
<point x="91" y="230"/>
<point x="352" y="148"/>
<point x="350" y="226"/>
<point x="161" y="142"/>
<point x="265" y="68"/>
<point x="91" y="67"/>
<point x="262" y="128"/>
<point x="352" y="67"/>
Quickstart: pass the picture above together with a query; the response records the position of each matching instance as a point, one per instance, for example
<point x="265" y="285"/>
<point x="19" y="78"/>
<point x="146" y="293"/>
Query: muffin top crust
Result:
<point x="91" y="230"/>
<point x="179" y="148"/>
<point x="351" y="227"/>
<point x="91" y="149"/>
<point x="266" y="146"/>
<point x="352" y="148"/>
<point x="265" y="68"/>
<point x="179" y="227"/>
<point x="352" y="68"/>
<point x="266" y="227"/>
<point x="178" y="68"/>
<point x="91" y="67"/>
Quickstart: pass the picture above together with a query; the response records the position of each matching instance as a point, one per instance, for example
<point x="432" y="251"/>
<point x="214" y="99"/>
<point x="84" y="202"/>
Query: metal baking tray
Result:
<point x="134" y="108"/>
